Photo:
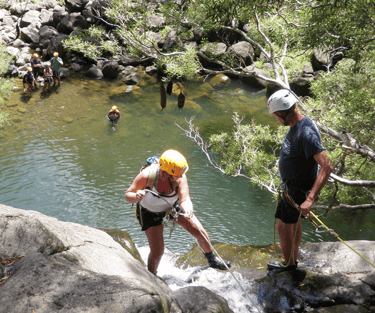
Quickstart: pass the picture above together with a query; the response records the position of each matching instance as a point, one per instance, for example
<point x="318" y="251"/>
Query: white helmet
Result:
<point x="281" y="100"/>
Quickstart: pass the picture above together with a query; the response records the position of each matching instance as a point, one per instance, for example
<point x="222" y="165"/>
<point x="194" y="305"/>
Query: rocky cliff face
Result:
<point x="68" y="267"/>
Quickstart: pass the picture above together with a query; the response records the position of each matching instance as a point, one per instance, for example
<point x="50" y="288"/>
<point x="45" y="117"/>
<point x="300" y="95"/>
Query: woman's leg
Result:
<point x="191" y="225"/>
<point x="156" y="241"/>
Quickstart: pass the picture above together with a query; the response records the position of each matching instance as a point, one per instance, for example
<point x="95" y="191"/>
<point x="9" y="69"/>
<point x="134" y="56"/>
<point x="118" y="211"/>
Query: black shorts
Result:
<point x="285" y="211"/>
<point x="56" y="74"/>
<point x="147" y="218"/>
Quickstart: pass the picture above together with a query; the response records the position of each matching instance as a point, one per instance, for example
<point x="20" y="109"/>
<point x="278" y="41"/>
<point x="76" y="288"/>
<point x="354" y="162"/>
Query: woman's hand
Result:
<point x="139" y="195"/>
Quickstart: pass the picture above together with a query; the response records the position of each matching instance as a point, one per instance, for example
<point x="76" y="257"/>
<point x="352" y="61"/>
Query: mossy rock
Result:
<point x="247" y="257"/>
<point x="190" y="105"/>
<point x="22" y="110"/>
<point x="124" y="239"/>
<point x="94" y="85"/>
<point x="11" y="103"/>
<point x="178" y="88"/>
<point x="201" y="95"/>
<point x="128" y="90"/>
<point x="142" y="83"/>
<point x="206" y="87"/>
<point x="68" y="120"/>
<point x="220" y="80"/>
<point x="16" y="119"/>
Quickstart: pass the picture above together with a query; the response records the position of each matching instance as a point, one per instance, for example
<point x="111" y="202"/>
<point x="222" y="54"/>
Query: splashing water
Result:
<point x="220" y="282"/>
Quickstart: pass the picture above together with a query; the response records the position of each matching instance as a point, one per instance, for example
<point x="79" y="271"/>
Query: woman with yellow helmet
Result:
<point x="114" y="115"/>
<point x="168" y="187"/>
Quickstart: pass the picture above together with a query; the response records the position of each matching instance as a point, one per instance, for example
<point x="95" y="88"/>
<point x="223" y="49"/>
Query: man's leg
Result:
<point x="290" y="239"/>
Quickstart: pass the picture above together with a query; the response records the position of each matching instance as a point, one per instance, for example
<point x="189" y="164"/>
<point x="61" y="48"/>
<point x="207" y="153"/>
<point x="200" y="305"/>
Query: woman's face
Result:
<point x="175" y="177"/>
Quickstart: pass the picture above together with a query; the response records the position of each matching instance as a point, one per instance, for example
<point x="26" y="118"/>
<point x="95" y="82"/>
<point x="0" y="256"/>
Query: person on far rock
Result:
<point x="29" y="80"/>
<point x="56" y="63"/>
<point x="36" y="65"/>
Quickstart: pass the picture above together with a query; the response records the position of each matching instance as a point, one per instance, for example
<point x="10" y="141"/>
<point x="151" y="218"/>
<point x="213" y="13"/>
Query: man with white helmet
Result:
<point x="300" y="155"/>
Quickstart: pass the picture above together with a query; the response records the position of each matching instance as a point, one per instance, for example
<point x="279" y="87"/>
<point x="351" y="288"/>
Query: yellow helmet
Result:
<point x="114" y="107"/>
<point x="173" y="162"/>
<point x="29" y="69"/>
<point x="56" y="54"/>
<point x="35" y="55"/>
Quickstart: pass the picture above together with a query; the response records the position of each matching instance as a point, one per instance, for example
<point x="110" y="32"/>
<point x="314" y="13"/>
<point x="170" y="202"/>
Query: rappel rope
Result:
<point x="175" y="214"/>
<point x="317" y="229"/>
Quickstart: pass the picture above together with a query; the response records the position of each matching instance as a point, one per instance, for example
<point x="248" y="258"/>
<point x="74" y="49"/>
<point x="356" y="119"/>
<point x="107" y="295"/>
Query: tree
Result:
<point x="283" y="34"/>
<point x="342" y="94"/>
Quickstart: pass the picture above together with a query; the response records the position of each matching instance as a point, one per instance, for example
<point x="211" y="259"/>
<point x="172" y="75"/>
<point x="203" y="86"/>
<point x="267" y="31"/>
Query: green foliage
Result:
<point x="92" y="43"/>
<point x="5" y="84"/>
<point x="345" y="101"/>
<point x="182" y="66"/>
<point x="4" y="119"/>
<point x="250" y="150"/>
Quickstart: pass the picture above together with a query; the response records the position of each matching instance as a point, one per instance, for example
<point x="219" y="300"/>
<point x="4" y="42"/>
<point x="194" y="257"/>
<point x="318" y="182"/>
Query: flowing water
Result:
<point x="62" y="157"/>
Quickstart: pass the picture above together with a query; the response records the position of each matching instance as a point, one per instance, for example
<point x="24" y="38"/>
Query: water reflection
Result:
<point x="62" y="158"/>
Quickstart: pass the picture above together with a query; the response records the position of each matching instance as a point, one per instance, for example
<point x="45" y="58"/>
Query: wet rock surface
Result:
<point x="68" y="267"/>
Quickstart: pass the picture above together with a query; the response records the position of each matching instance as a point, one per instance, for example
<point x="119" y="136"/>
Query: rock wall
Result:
<point x="68" y="267"/>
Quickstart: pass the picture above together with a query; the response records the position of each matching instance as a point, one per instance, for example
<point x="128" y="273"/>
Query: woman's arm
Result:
<point x="184" y="196"/>
<point x="135" y="192"/>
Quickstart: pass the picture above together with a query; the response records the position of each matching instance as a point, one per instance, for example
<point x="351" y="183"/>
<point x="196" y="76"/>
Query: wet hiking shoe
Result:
<point x="281" y="267"/>
<point x="215" y="262"/>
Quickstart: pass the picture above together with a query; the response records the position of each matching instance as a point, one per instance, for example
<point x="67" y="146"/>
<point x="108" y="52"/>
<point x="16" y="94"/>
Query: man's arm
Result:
<point x="325" y="170"/>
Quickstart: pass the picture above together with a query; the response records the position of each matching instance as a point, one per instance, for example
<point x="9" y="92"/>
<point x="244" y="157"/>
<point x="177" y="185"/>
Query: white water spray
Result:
<point x="220" y="282"/>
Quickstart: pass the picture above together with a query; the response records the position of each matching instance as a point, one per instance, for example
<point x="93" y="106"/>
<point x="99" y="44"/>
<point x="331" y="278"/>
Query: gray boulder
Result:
<point x="65" y="72"/>
<point x="171" y="40"/>
<point x="95" y="72"/>
<point x="205" y="301"/>
<point x="58" y="16"/>
<point x="301" y="85"/>
<point x="32" y="16"/>
<point x="155" y="21"/>
<point x="46" y="17"/>
<point x="30" y="34"/>
<point x="14" y="52"/>
<point x="73" y="268"/>
<point x="45" y="35"/>
<point x="75" y="5"/>
<point x="55" y="45"/>
<point x="250" y="80"/>
<point x="132" y="78"/>
<point x="322" y="61"/>
<point x="110" y="69"/>
<point x="9" y="20"/>
<point x="71" y="22"/>
<point x="244" y="52"/>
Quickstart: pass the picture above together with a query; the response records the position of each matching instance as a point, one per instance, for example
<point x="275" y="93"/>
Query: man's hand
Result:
<point x="306" y="207"/>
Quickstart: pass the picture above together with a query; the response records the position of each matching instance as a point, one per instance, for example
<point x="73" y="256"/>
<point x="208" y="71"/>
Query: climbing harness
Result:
<point x="318" y="228"/>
